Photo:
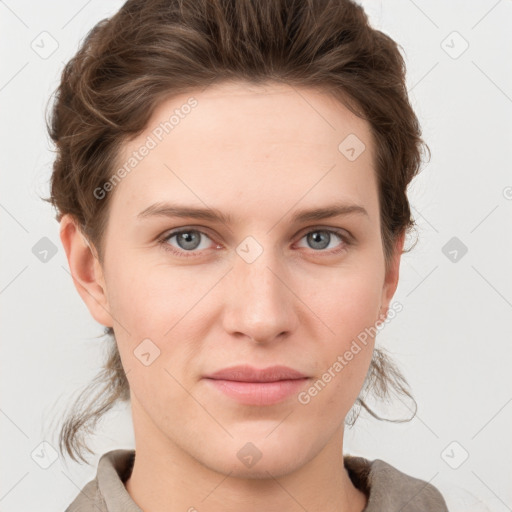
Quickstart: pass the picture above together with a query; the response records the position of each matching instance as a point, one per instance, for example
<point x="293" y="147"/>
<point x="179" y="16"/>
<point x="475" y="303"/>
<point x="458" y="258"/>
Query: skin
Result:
<point x="259" y="153"/>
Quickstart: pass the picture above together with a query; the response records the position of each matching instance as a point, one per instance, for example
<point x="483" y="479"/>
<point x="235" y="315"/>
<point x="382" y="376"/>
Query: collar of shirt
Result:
<point x="387" y="489"/>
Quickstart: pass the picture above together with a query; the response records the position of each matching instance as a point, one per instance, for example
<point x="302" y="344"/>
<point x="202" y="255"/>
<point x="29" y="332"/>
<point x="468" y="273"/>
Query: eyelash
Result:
<point x="192" y="254"/>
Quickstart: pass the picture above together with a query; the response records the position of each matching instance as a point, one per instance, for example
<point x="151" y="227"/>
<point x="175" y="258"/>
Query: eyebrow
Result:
<point x="162" y="209"/>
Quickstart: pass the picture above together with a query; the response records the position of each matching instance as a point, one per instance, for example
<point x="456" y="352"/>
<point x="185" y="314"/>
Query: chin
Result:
<point x="275" y="467"/>
<point x="258" y="459"/>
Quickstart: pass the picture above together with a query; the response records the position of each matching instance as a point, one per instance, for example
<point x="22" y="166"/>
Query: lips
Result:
<point x="246" y="373"/>
<point x="249" y="386"/>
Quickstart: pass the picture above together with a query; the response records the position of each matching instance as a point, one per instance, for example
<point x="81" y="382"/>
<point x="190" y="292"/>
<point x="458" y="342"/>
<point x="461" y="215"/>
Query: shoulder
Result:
<point x="389" y="489"/>
<point x="88" y="499"/>
<point x="107" y="492"/>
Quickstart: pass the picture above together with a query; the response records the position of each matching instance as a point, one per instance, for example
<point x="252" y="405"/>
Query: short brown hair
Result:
<point x="151" y="50"/>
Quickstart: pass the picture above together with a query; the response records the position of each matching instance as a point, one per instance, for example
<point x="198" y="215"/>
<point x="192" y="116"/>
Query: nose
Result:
<point x="261" y="306"/>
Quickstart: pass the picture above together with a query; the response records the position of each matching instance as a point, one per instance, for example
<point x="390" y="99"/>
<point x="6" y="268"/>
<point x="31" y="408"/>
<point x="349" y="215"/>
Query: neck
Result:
<point x="165" y="478"/>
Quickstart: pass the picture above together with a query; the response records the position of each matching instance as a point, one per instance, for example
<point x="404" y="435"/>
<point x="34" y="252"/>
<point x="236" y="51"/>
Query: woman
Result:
<point x="231" y="186"/>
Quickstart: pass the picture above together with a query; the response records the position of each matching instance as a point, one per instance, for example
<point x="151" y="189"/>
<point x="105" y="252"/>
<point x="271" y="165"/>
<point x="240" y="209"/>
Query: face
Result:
<point x="190" y="295"/>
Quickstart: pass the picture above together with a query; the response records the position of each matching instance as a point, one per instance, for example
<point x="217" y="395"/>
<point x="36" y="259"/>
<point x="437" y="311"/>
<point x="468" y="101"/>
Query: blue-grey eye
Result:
<point x="187" y="240"/>
<point x="320" y="239"/>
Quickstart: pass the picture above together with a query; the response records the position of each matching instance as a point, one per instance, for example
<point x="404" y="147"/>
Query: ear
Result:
<point x="85" y="270"/>
<point x="391" y="278"/>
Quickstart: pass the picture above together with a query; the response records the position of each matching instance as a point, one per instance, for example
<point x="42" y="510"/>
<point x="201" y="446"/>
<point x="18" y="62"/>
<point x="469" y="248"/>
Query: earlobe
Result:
<point x="85" y="270"/>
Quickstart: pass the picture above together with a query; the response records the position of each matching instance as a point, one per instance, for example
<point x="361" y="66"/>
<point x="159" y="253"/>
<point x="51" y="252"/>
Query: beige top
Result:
<point x="387" y="488"/>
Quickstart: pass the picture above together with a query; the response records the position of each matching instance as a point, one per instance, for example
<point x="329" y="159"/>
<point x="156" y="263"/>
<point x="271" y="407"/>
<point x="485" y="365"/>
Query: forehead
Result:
<point x="269" y="143"/>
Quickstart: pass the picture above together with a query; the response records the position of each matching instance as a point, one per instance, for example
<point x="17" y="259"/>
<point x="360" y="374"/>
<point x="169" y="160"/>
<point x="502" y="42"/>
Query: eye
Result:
<point x="190" y="244"/>
<point x="188" y="240"/>
<point x="320" y="239"/>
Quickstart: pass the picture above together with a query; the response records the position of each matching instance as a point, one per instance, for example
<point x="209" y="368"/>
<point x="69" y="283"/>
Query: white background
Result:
<point x="452" y="340"/>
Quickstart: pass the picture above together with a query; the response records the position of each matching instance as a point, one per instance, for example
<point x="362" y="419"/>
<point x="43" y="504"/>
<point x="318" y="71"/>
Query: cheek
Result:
<point x="349" y="307"/>
<point x="155" y="322"/>
<point x="148" y="300"/>
<point x="348" y="302"/>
